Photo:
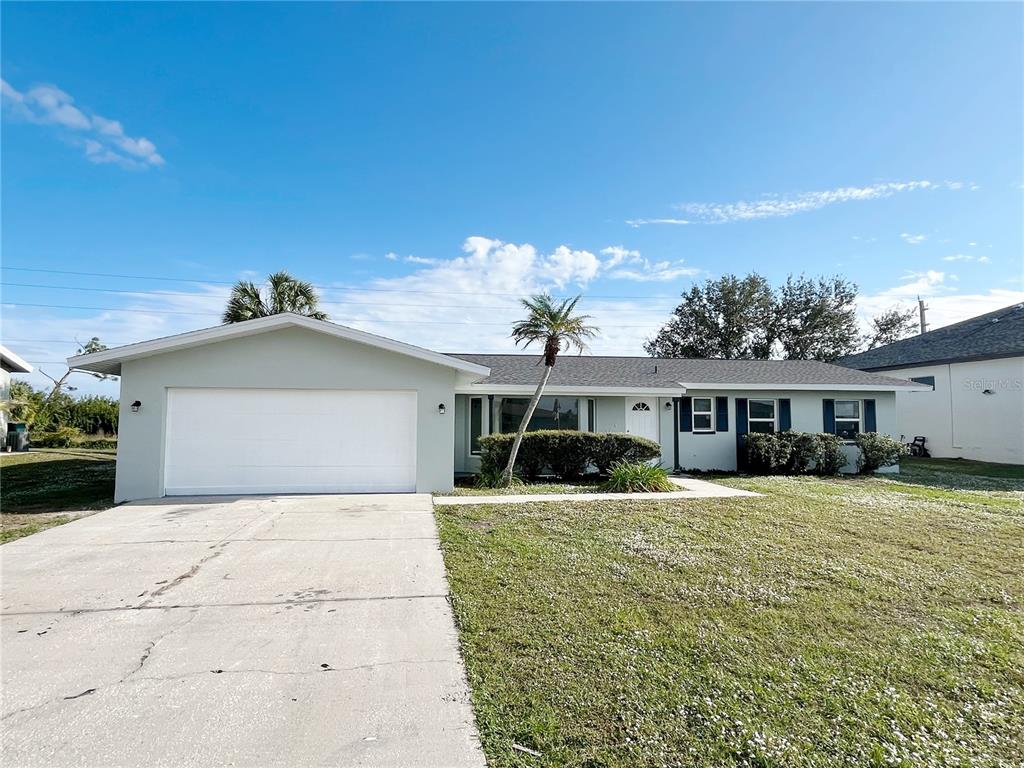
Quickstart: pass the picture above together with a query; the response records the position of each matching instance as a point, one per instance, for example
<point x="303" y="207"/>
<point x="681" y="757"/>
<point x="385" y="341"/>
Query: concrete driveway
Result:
<point x="302" y="630"/>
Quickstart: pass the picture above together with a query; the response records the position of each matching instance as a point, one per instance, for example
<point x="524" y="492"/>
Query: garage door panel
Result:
<point x="289" y="441"/>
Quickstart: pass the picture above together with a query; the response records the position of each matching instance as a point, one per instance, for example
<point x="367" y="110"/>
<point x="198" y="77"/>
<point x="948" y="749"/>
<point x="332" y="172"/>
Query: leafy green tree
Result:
<point x="730" y="318"/>
<point x="554" y="326"/>
<point x="284" y="294"/>
<point x="892" y="325"/>
<point x="94" y="415"/>
<point x="816" y="318"/>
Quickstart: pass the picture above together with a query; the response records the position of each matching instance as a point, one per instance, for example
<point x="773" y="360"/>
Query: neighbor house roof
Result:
<point x="12" y="362"/>
<point x="109" y="361"/>
<point x="993" y="335"/>
<point x="652" y="374"/>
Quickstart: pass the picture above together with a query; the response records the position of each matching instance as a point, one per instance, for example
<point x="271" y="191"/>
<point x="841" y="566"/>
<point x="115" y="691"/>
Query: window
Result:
<point x="476" y="423"/>
<point x="847" y="418"/>
<point x="702" y="414"/>
<point x="641" y="407"/>
<point x="761" y="415"/>
<point x="551" y="413"/>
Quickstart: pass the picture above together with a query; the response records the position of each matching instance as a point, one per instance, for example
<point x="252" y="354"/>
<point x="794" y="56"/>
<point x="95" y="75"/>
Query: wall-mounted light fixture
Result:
<point x="441" y="409"/>
<point x="668" y="405"/>
<point x="987" y="392"/>
<point x="136" y="405"/>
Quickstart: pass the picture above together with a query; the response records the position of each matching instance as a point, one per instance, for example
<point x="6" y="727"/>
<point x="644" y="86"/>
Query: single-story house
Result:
<point x="286" y="404"/>
<point x="9" y="363"/>
<point x="972" y="406"/>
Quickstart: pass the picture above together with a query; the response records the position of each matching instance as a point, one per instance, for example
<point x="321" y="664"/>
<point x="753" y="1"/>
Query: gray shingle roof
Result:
<point x="668" y="373"/>
<point x="996" y="334"/>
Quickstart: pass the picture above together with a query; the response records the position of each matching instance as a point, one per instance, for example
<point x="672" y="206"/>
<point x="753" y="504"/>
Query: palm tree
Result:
<point x="286" y="294"/>
<point x="552" y="324"/>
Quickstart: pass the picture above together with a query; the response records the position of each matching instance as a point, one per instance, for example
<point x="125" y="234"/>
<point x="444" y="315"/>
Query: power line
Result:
<point x="131" y="292"/>
<point x="320" y="287"/>
<point x="217" y="314"/>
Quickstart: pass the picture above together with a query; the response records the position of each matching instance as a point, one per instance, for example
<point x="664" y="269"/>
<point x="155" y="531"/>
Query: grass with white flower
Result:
<point x="853" y="621"/>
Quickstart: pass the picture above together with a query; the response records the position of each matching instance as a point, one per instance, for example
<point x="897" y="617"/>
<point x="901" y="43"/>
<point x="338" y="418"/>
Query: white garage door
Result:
<point x="289" y="441"/>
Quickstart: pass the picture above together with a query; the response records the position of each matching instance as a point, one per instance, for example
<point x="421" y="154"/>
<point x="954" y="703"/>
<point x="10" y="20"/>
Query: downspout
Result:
<point x="675" y="431"/>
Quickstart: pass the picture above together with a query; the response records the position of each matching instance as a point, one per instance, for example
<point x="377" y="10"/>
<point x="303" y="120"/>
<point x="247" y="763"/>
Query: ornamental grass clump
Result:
<point x="637" y="477"/>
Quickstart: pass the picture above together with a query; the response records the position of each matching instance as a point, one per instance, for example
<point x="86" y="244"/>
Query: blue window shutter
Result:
<point x="828" y="409"/>
<point x="721" y="414"/>
<point x="785" y="415"/>
<point x="741" y="433"/>
<point x="870" y="423"/>
<point x="686" y="414"/>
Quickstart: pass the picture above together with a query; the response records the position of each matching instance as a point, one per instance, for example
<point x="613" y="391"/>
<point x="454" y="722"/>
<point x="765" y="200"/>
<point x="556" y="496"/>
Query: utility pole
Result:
<point x="921" y="309"/>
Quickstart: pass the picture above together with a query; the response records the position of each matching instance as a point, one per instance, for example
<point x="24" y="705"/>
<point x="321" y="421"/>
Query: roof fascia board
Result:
<point x="908" y="387"/>
<point x="261" y="325"/>
<point x="561" y="389"/>
<point x="15" y="361"/>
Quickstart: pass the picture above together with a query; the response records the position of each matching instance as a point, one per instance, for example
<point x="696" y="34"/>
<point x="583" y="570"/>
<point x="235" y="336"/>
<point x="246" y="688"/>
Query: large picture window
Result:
<point x="848" y="419"/>
<point x="761" y="415"/>
<point x="703" y="415"/>
<point x="552" y="413"/>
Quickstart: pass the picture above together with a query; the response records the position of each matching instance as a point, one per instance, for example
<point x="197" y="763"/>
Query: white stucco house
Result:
<point x="286" y="404"/>
<point x="9" y="363"/>
<point x="973" y="406"/>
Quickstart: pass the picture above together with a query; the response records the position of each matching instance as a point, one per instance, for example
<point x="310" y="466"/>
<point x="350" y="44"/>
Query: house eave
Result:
<point x="768" y="386"/>
<point x="562" y="389"/>
<point x="13" y="363"/>
<point x="109" y="361"/>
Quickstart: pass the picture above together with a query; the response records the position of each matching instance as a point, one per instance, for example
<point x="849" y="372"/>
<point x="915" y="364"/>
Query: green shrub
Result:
<point x="618" y="446"/>
<point x="637" y="477"/>
<point x="877" y="451"/>
<point x="96" y="443"/>
<point x="567" y="452"/>
<point x="767" y="453"/>
<point x="803" y="448"/>
<point x="830" y="459"/>
<point x="62" y="437"/>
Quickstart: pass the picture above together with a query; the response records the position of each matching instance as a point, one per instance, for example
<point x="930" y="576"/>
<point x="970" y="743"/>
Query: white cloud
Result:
<point x="643" y="222"/>
<point x="967" y="257"/>
<point x="913" y="239"/>
<point x="945" y="303"/>
<point x="772" y="206"/>
<point x="419" y="260"/>
<point x="391" y="256"/>
<point x="103" y="140"/>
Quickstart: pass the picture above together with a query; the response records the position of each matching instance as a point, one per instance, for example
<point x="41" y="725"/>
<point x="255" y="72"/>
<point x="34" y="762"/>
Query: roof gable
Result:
<point x="109" y="361"/>
<point x="992" y="335"/>
<point x="12" y="362"/>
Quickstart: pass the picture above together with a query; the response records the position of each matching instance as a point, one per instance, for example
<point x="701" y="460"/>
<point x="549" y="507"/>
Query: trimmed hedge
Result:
<point x="63" y="437"/>
<point x="566" y="452"/>
<point x="794" y="453"/>
<point x="877" y="451"/>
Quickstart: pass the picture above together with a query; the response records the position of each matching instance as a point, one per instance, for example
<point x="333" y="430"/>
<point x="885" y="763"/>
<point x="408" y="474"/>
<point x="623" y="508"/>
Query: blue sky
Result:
<point x="452" y="157"/>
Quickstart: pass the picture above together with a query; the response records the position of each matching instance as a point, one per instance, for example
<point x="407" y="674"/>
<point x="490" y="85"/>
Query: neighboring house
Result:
<point x="973" y="406"/>
<point x="286" y="404"/>
<point x="9" y="363"/>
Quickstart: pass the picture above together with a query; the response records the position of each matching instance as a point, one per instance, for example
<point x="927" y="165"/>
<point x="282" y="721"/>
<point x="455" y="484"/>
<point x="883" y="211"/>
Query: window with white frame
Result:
<point x="703" y="415"/>
<point x="848" y="419"/>
<point x="761" y="416"/>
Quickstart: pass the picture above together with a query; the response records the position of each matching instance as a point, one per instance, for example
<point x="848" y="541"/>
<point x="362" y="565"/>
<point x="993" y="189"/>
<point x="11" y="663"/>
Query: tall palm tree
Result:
<point x="285" y="294"/>
<point x="554" y="325"/>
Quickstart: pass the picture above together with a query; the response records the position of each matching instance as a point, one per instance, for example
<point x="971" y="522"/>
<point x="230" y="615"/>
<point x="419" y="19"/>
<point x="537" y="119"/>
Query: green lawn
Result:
<point x="583" y="485"/>
<point x="39" y="483"/>
<point x="857" y="621"/>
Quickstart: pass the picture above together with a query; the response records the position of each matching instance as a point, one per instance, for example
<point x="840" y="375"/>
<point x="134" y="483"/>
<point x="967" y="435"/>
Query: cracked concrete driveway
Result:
<point x="297" y="630"/>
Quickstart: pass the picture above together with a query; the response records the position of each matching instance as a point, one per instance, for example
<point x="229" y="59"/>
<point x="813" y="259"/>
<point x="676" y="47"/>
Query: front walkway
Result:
<point x="692" y="489"/>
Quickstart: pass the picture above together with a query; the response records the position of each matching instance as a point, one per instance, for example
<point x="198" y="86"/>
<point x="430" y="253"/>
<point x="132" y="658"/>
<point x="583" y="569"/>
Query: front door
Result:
<point x="642" y="417"/>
